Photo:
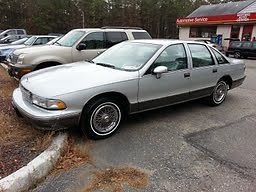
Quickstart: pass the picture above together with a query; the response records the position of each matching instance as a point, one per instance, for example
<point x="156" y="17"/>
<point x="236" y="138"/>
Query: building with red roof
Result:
<point x="236" y="20"/>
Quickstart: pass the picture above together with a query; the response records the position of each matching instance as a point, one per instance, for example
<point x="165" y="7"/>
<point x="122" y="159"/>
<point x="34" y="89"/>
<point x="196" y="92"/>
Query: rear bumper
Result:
<point x="43" y="119"/>
<point x="238" y="82"/>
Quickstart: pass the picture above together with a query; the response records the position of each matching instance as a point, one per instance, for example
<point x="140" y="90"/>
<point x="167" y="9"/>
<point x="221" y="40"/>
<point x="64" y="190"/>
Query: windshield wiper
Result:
<point x="106" y="65"/>
<point x="89" y="61"/>
<point x="57" y="43"/>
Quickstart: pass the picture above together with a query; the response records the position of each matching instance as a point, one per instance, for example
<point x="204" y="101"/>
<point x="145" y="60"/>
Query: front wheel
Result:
<point x="101" y="119"/>
<point x="219" y="94"/>
<point x="237" y="55"/>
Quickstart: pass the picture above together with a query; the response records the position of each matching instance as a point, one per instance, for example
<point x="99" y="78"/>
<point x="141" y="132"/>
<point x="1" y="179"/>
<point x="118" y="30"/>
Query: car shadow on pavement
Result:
<point x="232" y="145"/>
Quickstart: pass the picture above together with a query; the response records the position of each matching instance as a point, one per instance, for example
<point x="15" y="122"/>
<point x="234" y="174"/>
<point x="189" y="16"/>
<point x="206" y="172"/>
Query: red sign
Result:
<point x="222" y="19"/>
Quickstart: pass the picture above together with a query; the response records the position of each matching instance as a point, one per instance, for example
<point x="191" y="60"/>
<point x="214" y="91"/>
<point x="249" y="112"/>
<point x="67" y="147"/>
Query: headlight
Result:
<point x="52" y="104"/>
<point x="20" y="59"/>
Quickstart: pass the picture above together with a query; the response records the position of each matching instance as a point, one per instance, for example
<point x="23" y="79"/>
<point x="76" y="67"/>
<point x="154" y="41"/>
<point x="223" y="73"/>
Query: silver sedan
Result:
<point x="131" y="77"/>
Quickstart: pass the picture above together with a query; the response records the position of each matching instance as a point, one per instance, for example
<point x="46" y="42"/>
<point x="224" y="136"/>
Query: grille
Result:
<point x="27" y="96"/>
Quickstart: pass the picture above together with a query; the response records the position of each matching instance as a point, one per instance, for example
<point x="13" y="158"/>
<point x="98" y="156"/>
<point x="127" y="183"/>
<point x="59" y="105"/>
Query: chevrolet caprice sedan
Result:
<point x="131" y="77"/>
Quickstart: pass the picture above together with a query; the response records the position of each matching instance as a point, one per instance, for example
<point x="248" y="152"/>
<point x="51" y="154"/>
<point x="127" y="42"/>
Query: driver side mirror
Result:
<point x="158" y="71"/>
<point x="81" y="46"/>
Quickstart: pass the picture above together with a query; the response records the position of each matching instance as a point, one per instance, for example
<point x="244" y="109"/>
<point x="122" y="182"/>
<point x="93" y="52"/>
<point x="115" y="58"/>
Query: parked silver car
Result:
<point x="128" y="78"/>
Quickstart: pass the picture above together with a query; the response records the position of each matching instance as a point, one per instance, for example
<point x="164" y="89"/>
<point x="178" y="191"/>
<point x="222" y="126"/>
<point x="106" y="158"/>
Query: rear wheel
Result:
<point x="219" y="94"/>
<point x="102" y="118"/>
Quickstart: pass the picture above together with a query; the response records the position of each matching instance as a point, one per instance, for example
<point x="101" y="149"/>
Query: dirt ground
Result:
<point x="19" y="141"/>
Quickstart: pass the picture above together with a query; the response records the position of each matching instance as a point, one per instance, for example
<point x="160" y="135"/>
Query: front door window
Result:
<point x="174" y="58"/>
<point x="94" y="40"/>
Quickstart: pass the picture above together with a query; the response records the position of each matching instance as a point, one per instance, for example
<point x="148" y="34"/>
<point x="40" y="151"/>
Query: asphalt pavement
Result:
<point x="185" y="148"/>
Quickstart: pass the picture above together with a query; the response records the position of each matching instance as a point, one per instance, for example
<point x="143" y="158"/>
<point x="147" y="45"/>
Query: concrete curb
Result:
<point x="37" y="169"/>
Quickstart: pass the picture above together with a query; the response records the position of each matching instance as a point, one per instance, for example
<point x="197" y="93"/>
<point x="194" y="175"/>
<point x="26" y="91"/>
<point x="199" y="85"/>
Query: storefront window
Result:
<point x="205" y="32"/>
<point x="235" y="31"/>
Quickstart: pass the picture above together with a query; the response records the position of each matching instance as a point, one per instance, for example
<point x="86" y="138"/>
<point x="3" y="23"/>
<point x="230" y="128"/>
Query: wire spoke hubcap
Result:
<point x="106" y="118"/>
<point x="220" y="92"/>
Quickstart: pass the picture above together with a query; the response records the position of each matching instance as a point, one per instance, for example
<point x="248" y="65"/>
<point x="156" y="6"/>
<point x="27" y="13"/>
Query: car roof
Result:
<point x="165" y="41"/>
<point x="109" y="29"/>
<point x="43" y="36"/>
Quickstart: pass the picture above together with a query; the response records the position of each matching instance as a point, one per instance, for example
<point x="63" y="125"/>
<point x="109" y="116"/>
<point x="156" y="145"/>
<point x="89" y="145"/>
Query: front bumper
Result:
<point x="18" y="71"/>
<point x="44" y="119"/>
<point x="2" y="58"/>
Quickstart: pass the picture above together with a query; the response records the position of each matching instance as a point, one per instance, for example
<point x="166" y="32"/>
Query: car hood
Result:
<point x="1" y="45"/>
<point x="12" y="47"/>
<point x="40" y="48"/>
<point x="64" y="79"/>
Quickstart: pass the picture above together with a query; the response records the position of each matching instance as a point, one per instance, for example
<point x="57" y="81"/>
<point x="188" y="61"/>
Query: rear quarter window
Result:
<point x="220" y="58"/>
<point x="141" y="35"/>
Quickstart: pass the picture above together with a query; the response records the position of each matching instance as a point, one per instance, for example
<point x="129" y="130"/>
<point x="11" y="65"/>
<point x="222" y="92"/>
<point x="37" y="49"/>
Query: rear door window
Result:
<point x="114" y="38"/>
<point x="201" y="56"/>
<point x="20" y="32"/>
<point x="246" y="45"/>
<point x="141" y="35"/>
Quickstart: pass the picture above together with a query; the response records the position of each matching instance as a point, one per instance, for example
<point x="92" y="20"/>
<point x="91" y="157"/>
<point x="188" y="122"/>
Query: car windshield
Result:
<point x="4" y="32"/>
<point x="204" y="41"/>
<point x="30" y="41"/>
<point x="70" y="38"/>
<point x="20" y="41"/>
<point x="128" y="56"/>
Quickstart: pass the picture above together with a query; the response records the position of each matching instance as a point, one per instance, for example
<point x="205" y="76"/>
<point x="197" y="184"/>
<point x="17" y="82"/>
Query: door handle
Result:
<point x="215" y="70"/>
<point x="186" y="75"/>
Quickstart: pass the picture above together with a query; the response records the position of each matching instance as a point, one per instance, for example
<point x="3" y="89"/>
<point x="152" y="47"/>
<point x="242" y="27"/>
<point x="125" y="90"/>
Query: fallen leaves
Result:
<point x="72" y="157"/>
<point x="114" y="180"/>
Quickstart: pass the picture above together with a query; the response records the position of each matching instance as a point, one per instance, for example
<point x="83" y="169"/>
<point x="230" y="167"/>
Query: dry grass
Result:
<point x="43" y="142"/>
<point x="114" y="180"/>
<point x="19" y="141"/>
<point x="12" y="128"/>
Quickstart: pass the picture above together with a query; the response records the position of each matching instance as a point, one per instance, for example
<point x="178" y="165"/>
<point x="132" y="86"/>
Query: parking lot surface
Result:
<point x="187" y="147"/>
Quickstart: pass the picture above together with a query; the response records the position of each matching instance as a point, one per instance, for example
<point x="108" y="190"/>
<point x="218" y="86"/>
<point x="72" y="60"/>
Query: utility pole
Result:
<point x="76" y="3"/>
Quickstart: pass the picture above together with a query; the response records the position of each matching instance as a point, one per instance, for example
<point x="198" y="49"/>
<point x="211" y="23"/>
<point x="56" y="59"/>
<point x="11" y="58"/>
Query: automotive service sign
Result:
<point x="222" y="19"/>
